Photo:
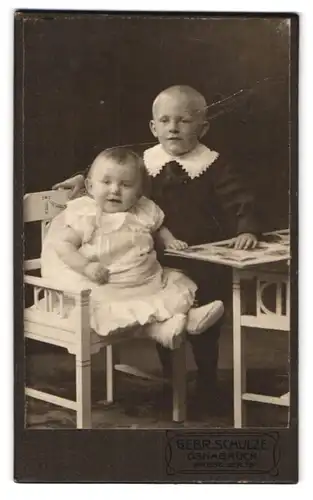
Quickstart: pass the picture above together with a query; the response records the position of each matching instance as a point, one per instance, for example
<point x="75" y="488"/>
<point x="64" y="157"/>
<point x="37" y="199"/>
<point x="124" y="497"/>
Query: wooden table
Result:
<point x="266" y="267"/>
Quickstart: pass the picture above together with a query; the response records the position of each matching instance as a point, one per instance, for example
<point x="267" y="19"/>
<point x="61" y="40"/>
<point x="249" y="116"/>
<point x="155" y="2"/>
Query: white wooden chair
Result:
<point x="45" y="321"/>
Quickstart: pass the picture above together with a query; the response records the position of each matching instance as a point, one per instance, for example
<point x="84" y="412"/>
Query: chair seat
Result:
<point x="51" y="328"/>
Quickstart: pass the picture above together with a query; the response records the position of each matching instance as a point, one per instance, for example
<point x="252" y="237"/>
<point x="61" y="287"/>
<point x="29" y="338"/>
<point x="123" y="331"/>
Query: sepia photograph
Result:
<point x="157" y="165"/>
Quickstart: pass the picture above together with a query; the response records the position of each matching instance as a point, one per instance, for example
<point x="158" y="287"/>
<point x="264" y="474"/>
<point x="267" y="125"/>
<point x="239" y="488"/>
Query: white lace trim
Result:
<point x="194" y="163"/>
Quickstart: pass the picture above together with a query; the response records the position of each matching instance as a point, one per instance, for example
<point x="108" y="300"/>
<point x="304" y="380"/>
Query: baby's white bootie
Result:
<point x="201" y="318"/>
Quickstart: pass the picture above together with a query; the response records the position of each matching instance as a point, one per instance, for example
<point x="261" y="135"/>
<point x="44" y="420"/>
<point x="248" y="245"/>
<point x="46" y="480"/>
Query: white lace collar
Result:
<point x="194" y="163"/>
<point x="87" y="209"/>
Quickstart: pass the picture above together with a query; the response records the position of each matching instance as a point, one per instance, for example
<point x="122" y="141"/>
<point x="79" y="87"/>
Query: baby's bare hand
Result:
<point x="176" y="245"/>
<point x="97" y="273"/>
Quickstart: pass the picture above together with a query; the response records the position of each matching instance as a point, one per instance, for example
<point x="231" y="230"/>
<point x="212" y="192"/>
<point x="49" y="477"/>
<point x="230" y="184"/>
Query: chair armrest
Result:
<point x="45" y="283"/>
<point x="32" y="265"/>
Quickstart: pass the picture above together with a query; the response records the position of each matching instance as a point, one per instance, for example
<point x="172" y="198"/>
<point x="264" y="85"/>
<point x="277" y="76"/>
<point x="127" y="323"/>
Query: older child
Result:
<point x="204" y="199"/>
<point x="106" y="243"/>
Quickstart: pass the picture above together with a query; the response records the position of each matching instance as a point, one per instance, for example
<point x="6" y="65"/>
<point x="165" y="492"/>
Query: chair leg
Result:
<point x="109" y="368"/>
<point x="83" y="393"/>
<point x="179" y="382"/>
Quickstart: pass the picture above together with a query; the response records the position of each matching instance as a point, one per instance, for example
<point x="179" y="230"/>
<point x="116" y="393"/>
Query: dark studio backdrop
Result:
<point x="89" y="84"/>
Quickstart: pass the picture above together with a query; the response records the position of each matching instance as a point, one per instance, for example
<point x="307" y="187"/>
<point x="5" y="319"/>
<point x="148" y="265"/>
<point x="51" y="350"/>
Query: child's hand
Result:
<point x="97" y="273"/>
<point x="176" y="245"/>
<point x="245" y="241"/>
<point x="75" y="184"/>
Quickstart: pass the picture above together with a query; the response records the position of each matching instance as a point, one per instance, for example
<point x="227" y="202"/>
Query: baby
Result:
<point x="107" y="244"/>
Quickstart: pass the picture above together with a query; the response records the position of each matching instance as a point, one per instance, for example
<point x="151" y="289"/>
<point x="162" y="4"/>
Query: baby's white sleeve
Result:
<point x="81" y="222"/>
<point x="149" y="214"/>
<point x="156" y="215"/>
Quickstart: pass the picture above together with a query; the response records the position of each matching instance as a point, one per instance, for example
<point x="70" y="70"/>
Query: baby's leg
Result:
<point x="166" y="331"/>
<point x="201" y="318"/>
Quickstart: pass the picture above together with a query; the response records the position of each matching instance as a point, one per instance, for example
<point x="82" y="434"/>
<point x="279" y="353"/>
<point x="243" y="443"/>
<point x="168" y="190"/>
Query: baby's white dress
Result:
<point x="139" y="291"/>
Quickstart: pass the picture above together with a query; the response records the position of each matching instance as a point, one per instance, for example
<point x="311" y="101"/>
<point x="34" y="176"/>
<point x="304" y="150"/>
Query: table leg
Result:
<point x="238" y="354"/>
<point x="179" y="382"/>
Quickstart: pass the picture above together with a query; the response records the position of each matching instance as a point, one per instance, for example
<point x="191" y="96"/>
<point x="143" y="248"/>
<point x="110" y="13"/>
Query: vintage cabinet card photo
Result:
<point x="156" y="178"/>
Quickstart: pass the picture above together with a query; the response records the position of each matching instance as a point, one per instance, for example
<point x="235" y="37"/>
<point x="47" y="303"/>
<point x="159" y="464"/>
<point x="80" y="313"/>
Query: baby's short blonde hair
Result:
<point x="122" y="156"/>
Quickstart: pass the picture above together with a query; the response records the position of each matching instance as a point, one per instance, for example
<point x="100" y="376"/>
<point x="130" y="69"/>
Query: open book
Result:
<point x="273" y="247"/>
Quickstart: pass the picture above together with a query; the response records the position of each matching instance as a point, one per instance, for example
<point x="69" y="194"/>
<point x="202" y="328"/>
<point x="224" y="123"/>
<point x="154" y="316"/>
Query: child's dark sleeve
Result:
<point x="236" y="197"/>
<point x="84" y="173"/>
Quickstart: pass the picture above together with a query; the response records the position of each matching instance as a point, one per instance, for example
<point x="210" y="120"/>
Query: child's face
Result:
<point x="177" y="124"/>
<point x="114" y="187"/>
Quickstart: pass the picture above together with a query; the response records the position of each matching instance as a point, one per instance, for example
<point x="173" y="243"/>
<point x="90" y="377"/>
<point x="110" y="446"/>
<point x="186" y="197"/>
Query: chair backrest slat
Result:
<point x="44" y="206"/>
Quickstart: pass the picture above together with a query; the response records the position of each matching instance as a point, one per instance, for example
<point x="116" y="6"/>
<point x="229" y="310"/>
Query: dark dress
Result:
<point x="214" y="206"/>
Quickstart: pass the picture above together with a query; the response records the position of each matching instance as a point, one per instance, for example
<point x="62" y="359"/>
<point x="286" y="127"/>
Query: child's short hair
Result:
<point x="192" y="94"/>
